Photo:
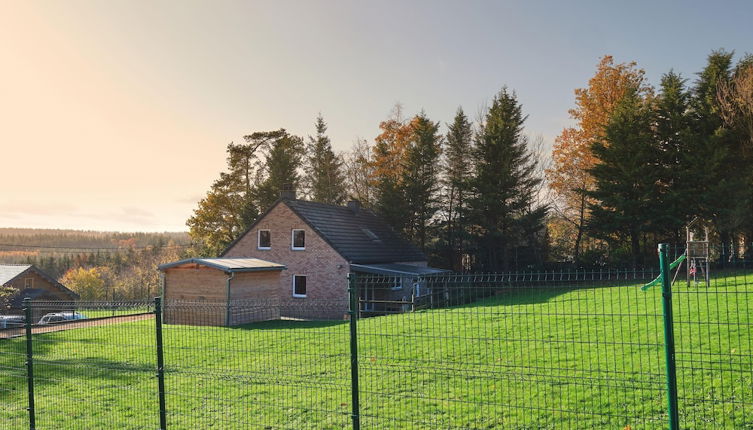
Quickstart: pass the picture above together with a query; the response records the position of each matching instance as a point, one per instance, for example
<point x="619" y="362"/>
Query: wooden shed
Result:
<point x="220" y="291"/>
<point x="30" y="282"/>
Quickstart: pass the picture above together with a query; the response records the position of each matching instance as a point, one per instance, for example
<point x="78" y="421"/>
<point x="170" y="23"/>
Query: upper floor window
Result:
<point x="28" y="283"/>
<point x="265" y="240"/>
<point x="299" y="239"/>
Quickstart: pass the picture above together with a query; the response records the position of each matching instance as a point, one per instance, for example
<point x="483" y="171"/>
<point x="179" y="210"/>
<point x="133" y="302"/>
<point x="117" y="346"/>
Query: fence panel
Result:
<point x="96" y="372"/>
<point x="525" y="350"/>
<point x="13" y="383"/>
<point x="281" y="365"/>
<point x="714" y="343"/>
<point x="528" y="350"/>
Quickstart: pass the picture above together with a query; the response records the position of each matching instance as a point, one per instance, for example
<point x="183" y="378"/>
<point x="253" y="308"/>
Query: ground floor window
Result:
<point x="299" y="286"/>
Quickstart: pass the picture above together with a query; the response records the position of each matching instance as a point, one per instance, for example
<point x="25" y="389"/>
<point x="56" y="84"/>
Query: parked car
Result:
<point x="11" y="321"/>
<point x="57" y="317"/>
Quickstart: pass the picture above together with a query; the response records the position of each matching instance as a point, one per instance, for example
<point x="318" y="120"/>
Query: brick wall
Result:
<point x="325" y="270"/>
<point x="197" y="295"/>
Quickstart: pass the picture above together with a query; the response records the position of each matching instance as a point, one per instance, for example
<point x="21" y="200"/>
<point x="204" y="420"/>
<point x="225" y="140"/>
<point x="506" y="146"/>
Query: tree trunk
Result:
<point x="635" y="245"/>
<point x="579" y="236"/>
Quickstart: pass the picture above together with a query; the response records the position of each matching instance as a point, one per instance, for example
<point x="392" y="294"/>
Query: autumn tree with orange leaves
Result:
<point x="572" y="156"/>
<point x="387" y="168"/>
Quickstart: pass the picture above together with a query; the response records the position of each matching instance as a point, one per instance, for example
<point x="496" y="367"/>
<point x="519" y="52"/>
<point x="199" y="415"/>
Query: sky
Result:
<point x="114" y="115"/>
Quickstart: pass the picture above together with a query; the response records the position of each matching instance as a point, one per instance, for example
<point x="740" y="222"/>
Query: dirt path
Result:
<point x="70" y="325"/>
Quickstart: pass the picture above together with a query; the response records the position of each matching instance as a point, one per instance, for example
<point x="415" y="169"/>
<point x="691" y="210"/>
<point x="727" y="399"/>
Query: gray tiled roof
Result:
<point x="359" y="236"/>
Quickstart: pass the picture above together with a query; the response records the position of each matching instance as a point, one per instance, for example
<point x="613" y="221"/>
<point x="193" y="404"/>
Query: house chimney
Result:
<point x="287" y="192"/>
<point x="354" y="206"/>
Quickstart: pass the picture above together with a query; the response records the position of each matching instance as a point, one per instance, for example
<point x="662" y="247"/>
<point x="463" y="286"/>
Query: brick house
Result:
<point x="29" y="281"/>
<point x="321" y="243"/>
<point x="318" y="244"/>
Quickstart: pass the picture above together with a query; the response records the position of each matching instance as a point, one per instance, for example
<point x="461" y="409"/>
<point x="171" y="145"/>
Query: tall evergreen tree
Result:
<point x="503" y="205"/>
<point x="722" y="187"/>
<point x="571" y="156"/>
<point x="626" y="176"/>
<point x="325" y="177"/>
<point x="676" y="143"/>
<point x="281" y="169"/>
<point x="419" y="179"/>
<point x="458" y="168"/>
<point x="230" y="205"/>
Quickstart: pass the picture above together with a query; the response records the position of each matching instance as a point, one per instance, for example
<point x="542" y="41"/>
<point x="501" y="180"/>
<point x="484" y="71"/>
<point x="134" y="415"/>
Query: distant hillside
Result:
<point x="59" y="250"/>
<point x="30" y="238"/>
<point x="126" y="262"/>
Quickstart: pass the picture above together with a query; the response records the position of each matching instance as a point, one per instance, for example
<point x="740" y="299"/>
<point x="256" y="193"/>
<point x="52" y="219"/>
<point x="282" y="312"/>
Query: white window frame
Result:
<point x="299" y="296"/>
<point x="292" y="240"/>
<point x="258" y="239"/>
<point x="398" y="285"/>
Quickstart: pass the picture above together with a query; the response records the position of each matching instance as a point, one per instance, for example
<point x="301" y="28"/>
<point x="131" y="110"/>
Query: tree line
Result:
<point x="638" y="164"/>
<point x="642" y="162"/>
<point x="96" y="265"/>
<point x="469" y="197"/>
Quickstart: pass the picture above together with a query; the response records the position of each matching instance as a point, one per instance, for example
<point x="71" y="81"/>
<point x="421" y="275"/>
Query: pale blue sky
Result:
<point x="116" y="113"/>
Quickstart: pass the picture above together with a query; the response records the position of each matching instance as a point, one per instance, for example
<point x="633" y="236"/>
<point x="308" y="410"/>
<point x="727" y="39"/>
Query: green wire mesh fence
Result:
<point x="287" y="367"/>
<point x="543" y="350"/>
<point x="578" y="349"/>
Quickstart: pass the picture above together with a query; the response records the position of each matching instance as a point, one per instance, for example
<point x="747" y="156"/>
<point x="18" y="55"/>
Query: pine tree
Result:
<point x="419" y="179"/>
<point x="325" y="177"/>
<point x="571" y="156"/>
<point x="281" y="168"/>
<point x="458" y="167"/>
<point x="229" y="206"/>
<point x="249" y="184"/>
<point x="626" y="176"/>
<point x="503" y="204"/>
<point x="677" y="144"/>
<point x="722" y="186"/>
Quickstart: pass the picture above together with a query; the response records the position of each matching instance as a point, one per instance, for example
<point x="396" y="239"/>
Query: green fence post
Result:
<point x="28" y="314"/>
<point x="669" y="337"/>
<point x="353" y="312"/>
<point x="160" y="363"/>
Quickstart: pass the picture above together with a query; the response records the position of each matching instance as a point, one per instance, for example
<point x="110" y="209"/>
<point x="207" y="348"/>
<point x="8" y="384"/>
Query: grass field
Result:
<point x="531" y="358"/>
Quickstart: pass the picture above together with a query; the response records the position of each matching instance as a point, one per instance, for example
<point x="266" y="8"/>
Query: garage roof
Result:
<point x="229" y="265"/>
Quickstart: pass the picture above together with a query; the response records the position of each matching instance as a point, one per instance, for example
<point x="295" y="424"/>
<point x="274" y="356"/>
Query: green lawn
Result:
<point x="529" y="359"/>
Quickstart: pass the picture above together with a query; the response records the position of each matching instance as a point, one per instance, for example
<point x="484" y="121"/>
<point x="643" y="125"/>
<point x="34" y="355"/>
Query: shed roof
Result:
<point x="229" y="265"/>
<point x="9" y="272"/>
<point x="360" y="236"/>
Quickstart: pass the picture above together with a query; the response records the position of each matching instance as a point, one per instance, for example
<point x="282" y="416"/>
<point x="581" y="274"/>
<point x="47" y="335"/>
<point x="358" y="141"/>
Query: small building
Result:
<point x="220" y="291"/>
<point x="321" y="243"/>
<point x="31" y="282"/>
<point x="318" y="245"/>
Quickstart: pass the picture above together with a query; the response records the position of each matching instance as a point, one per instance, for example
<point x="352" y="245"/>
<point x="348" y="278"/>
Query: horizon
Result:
<point x="118" y="113"/>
